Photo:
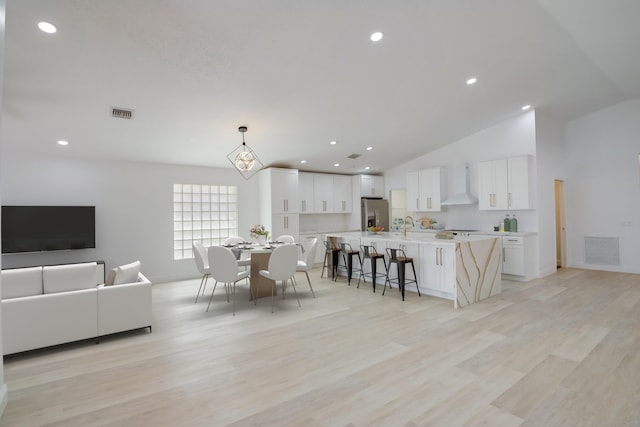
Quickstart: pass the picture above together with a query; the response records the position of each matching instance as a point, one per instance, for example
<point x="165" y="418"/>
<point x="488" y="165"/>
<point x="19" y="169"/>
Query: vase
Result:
<point x="261" y="239"/>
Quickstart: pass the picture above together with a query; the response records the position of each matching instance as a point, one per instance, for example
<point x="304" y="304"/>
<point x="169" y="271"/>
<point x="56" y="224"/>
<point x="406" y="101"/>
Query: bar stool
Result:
<point x="400" y="259"/>
<point x="370" y="253"/>
<point x="347" y="257"/>
<point x="331" y="256"/>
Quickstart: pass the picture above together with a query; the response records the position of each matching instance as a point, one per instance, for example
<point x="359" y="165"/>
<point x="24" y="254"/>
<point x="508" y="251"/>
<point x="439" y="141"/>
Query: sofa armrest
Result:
<point x="124" y="307"/>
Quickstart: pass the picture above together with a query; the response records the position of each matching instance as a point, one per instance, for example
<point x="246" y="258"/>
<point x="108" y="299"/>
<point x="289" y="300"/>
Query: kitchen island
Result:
<point x="465" y="269"/>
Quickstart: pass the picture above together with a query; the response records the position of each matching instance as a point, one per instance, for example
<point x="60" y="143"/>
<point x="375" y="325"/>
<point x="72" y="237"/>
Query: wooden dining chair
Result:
<point x="282" y="266"/>
<point x="224" y="268"/>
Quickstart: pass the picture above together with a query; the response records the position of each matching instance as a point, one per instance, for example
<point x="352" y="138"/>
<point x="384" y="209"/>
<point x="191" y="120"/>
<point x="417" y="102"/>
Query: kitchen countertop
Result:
<point x="398" y="237"/>
<point x="504" y="233"/>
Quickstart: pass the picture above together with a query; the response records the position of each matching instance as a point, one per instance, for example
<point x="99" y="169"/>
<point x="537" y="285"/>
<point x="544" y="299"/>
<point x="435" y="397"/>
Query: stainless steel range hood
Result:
<point x="463" y="195"/>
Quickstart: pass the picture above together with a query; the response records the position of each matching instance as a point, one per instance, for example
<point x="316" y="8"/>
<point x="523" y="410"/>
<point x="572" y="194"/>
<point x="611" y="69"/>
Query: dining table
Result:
<point x="259" y="285"/>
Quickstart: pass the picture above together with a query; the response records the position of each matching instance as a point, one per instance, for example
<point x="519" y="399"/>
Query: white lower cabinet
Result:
<point x="438" y="275"/>
<point x="518" y="256"/>
<point x="513" y="255"/>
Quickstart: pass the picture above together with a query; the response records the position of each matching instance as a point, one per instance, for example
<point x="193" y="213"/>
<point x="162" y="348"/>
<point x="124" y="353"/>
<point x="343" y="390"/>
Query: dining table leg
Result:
<point x="260" y="286"/>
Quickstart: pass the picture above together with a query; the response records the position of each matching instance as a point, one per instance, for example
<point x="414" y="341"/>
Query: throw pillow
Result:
<point x="127" y="273"/>
<point x="111" y="277"/>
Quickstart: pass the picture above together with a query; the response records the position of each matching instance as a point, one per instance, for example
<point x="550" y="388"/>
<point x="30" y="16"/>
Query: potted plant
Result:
<point x="259" y="233"/>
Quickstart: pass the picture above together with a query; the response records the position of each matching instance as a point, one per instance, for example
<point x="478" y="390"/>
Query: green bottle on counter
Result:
<point x="507" y="223"/>
<point x="513" y="226"/>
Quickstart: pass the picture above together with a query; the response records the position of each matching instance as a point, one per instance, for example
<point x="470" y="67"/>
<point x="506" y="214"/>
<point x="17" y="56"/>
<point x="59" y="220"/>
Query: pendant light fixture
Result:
<point x="244" y="159"/>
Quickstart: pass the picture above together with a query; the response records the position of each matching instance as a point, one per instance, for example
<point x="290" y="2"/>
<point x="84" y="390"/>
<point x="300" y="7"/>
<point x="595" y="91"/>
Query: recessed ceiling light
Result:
<point x="367" y="168"/>
<point x="333" y="142"/>
<point x="47" y="27"/>
<point x="61" y="142"/>
<point x="369" y="148"/>
<point x="303" y="161"/>
<point x="336" y="164"/>
<point x="472" y="80"/>
<point x="376" y="37"/>
<point x="526" y="107"/>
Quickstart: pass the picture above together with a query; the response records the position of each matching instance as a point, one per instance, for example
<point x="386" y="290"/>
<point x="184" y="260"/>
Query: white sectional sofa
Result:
<point x="50" y="305"/>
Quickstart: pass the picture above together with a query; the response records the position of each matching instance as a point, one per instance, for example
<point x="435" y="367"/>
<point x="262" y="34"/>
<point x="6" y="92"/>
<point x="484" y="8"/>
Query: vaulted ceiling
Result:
<point x="302" y="73"/>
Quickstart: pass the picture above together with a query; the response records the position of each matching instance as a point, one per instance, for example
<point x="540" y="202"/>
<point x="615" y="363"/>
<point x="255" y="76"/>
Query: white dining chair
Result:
<point x="236" y="240"/>
<point x="285" y="238"/>
<point x="282" y="266"/>
<point x="202" y="263"/>
<point x="306" y="263"/>
<point x="224" y="268"/>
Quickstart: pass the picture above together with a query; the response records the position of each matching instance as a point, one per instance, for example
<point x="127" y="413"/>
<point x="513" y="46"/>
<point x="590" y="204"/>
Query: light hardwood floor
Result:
<point x="559" y="351"/>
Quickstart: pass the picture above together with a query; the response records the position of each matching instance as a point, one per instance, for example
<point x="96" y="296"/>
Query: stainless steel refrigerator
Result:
<point x="375" y="213"/>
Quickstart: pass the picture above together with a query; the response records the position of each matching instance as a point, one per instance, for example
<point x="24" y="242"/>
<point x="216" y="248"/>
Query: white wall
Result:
<point x="550" y="156"/>
<point x="603" y="184"/>
<point x="134" y="207"/>
<point x="3" y="386"/>
<point x="510" y="138"/>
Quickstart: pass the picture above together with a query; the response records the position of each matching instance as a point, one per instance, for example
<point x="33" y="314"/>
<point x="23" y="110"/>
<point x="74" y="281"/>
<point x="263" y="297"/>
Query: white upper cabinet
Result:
<point x="492" y="185"/>
<point x="518" y="170"/>
<point x="371" y="186"/>
<point x="413" y="191"/>
<point x="430" y="189"/>
<point x="305" y="192"/>
<point x="342" y="194"/>
<point x="424" y="190"/>
<point x="284" y="190"/>
<point x="504" y="184"/>
<point x="323" y="193"/>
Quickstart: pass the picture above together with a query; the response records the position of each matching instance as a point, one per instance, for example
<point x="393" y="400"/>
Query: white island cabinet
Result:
<point x="466" y="270"/>
<point x="438" y="270"/>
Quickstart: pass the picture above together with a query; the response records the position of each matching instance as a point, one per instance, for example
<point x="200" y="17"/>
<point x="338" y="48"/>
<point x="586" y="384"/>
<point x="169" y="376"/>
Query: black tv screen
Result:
<point x="47" y="228"/>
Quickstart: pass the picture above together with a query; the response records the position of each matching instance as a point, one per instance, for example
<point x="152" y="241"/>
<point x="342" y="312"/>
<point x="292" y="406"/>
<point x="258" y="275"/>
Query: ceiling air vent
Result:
<point x="354" y="156"/>
<point x="121" y="113"/>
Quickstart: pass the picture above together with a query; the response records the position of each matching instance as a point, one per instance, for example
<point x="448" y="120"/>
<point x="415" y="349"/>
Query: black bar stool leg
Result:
<point x="335" y="259"/>
<point x="413" y="267"/>
<point x="401" y="278"/>
<point x="374" y="266"/>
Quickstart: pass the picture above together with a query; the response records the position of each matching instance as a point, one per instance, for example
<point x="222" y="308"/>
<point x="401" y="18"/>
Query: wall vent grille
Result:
<point x="602" y="250"/>
<point x="121" y="113"/>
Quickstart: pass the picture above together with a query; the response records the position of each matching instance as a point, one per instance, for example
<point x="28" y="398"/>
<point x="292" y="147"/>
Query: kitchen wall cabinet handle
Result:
<point x="509" y="199"/>
<point x="417" y="203"/>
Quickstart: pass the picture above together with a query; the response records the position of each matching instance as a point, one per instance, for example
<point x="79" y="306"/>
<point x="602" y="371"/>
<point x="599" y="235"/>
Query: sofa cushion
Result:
<point x="71" y="277"/>
<point x="127" y="273"/>
<point x="21" y="282"/>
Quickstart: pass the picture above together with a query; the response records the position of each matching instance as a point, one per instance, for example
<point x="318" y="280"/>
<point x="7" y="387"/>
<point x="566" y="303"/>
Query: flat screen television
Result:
<point x="47" y="228"/>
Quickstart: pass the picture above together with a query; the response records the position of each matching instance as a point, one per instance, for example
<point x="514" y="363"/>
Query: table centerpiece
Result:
<point x="259" y="233"/>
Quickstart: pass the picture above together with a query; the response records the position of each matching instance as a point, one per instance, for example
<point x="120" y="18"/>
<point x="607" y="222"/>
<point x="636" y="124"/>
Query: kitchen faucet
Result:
<point x="413" y="224"/>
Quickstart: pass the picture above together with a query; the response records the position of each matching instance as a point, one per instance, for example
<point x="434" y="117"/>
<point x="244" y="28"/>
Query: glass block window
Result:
<point x="208" y="213"/>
